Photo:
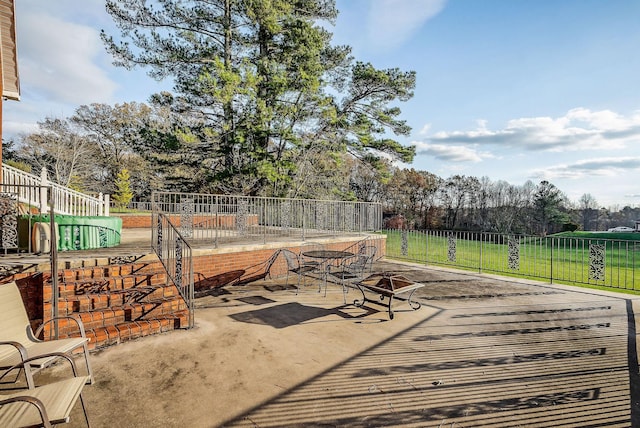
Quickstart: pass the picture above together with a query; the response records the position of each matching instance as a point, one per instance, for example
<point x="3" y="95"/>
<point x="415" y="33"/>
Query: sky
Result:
<point x="512" y="90"/>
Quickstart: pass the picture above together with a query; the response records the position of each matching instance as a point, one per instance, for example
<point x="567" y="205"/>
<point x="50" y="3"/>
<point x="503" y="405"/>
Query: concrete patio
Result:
<point x="482" y="351"/>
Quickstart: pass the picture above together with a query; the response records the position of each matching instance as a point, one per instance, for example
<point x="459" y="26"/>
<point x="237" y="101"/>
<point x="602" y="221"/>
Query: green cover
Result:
<point x="84" y="232"/>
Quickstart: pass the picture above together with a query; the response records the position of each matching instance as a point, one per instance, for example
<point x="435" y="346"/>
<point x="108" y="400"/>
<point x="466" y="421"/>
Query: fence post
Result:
<point x="264" y="220"/>
<point x="426" y="247"/>
<point x="481" y="242"/>
<point x="44" y="207"/>
<point x="53" y="255"/>
<point x="551" y="273"/>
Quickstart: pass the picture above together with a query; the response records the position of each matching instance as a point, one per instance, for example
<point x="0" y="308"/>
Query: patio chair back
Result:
<point x="13" y="317"/>
<point x="18" y="341"/>
<point x="295" y="266"/>
<point x="309" y="246"/>
<point x="358" y="264"/>
<point x="292" y="259"/>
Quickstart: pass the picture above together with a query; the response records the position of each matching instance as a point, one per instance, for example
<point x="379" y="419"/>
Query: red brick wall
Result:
<point x="130" y="221"/>
<point x="215" y="264"/>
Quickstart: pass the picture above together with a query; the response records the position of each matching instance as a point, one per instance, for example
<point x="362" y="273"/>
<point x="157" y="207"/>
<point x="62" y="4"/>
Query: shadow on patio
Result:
<point x="495" y="353"/>
<point x="482" y="351"/>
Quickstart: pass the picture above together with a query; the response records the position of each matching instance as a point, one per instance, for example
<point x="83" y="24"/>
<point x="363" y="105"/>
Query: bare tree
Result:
<point x="60" y="148"/>
<point x="588" y="208"/>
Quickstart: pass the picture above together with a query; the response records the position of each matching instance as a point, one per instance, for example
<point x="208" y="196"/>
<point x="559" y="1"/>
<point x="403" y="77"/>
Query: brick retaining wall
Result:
<point x="37" y="293"/>
<point x="131" y="221"/>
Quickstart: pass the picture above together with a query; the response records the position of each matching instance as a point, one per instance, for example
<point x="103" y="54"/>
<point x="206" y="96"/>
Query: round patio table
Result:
<point x="327" y="254"/>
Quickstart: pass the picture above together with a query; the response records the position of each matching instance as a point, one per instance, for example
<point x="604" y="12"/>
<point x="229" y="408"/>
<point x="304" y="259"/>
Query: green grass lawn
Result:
<point x="564" y="258"/>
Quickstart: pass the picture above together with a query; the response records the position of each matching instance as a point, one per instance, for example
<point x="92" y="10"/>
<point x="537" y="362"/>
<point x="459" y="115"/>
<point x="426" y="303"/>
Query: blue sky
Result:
<point x="514" y="90"/>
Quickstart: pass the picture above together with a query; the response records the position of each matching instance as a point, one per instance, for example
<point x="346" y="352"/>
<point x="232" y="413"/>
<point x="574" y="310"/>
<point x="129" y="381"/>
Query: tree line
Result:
<point x="263" y="104"/>
<point x="421" y="200"/>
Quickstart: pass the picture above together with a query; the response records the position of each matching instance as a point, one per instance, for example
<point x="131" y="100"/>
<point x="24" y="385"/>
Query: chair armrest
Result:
<point x="348" y="260"/>
<point x="79" y="323"/>
<point x="19" y="347"/>
<point x="39" y="405"/>
<point x="26" y="361"/>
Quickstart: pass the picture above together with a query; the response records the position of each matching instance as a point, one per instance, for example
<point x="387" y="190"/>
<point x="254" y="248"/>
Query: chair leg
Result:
<point x="344" y="293"/>
<point x="86" y="360"/>
<point x="300" y="277"/>
<point x="28" y="374"/>
<point x="84" y="409"/>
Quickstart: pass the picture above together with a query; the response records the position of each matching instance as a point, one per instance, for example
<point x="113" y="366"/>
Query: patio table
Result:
<point x="327" y="256"/>
<point x="388" y="286"/>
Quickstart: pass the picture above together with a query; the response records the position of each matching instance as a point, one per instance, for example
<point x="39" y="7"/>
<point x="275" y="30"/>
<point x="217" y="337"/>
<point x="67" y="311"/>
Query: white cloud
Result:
<point x="580" y="129"/>
<point x="589" y="168"/>
<point x="449" y="152"/>
<point x="391" y="22"/>
<point x="58" y="60"/>
<point x="14" y="127"/>
<point x="425" y="129"/>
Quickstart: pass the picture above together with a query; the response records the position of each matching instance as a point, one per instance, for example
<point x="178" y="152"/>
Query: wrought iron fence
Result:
<point x="226" y="217"/>
<point x="19" y="205"/>
<point x="593" y="261"/>
<point x="175" y="254"/>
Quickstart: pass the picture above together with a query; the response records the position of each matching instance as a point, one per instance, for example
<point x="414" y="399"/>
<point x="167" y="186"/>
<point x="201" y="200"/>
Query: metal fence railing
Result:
<point x="592" y="261"/>
<point x="221" y="218"/>
<point x="175" y="254"/>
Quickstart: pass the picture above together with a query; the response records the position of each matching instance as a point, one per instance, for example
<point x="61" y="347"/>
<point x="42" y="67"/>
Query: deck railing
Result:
<point x="67" y="201"/>
<point x="175" y="254"/>
<point x="593" y="261"/>
<point x="220" y="218"/>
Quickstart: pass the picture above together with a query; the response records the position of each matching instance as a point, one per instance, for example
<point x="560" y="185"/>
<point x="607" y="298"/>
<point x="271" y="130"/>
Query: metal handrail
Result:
<point x="175" y="255"/>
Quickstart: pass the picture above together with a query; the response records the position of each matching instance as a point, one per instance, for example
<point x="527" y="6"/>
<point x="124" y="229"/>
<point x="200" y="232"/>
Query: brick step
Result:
<point x="118" y="302"/>
<point x="88" y="272"/>
<point x="121" y="282"/>
<point x="106" y="336"/>
<point x="132" y="311"/>
<point x="113" y="298"/>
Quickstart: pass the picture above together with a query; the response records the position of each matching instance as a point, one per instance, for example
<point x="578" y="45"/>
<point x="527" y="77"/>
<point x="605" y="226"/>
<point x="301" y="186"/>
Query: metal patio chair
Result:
<point x="43" y="406"/>
<point x="351" y="270"/>
<point x="310" y="246"/>
<point x="18" y="342"/>
<point x="294" y="265"/>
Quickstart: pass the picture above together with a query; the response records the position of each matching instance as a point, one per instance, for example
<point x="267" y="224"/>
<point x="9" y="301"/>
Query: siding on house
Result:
<point x="8" y="51"/>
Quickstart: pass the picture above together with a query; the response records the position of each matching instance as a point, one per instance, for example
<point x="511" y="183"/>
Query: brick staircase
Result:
<point x="119" y="302"/>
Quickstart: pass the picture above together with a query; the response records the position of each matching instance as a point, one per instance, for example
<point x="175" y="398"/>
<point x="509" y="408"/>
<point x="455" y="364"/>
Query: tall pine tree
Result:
<point x="260" y="87"/>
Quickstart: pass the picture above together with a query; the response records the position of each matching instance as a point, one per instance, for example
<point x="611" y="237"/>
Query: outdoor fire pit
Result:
<point x="388" y="286"/>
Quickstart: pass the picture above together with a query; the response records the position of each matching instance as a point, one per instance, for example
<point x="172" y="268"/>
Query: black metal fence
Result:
<point x="220" y="218"/>
<point x="175" y="254"/>
<point x="593" y="261"/>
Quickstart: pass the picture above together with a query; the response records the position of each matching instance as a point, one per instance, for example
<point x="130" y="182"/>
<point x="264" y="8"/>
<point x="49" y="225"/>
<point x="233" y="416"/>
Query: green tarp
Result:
<point x="84" y="232"/>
